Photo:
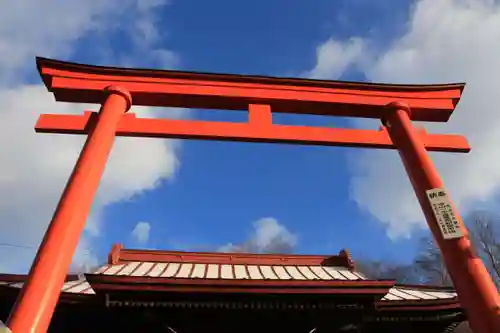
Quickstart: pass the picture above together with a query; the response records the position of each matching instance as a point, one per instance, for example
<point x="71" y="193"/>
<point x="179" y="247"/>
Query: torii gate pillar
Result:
<point x="477" y="293"/>
<point x="33" y="311"/>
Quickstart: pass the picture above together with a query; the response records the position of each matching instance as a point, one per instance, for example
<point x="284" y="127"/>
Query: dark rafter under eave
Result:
<point x="240" y="78"/>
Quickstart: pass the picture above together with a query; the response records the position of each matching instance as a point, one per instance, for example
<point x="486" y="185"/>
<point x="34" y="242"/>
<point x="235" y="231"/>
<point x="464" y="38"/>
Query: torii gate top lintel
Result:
<point x="261" y="96"/>
<point x="72" y="82"/>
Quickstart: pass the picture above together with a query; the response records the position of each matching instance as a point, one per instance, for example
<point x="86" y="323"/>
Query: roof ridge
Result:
<point x="119" y="254"/>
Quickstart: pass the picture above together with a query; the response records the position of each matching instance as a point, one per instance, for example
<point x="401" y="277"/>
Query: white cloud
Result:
<point x="35" y="167"/>
<point x="84" y="259"/>
<point x="268" y="236"/>
<point x="446" y="41"/>
<point x="141" y="231"/>
<point x="51" y="27"/>
<point x="148" y="41"/>
<point x="335" y="57"/>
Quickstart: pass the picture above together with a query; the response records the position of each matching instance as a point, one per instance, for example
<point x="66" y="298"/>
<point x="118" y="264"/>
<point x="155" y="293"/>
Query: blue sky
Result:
<point x="321" y="199"/>
<point x="227" y="194"/>
<point x="222" y="188"/>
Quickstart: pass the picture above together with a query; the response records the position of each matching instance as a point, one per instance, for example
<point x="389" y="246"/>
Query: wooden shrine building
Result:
<point x="183" y="292"/>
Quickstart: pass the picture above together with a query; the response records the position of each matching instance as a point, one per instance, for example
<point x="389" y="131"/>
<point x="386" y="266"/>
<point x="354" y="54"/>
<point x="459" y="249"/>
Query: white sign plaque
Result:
<point x="443" y="211"/>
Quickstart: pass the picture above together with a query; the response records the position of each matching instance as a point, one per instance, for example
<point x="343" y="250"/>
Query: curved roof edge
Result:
<point x="396" y="297"/>
<point x="241" y="78"/>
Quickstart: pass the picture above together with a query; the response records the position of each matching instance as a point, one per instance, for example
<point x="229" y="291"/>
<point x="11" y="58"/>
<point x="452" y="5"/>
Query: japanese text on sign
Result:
<point x="443" y="211"/>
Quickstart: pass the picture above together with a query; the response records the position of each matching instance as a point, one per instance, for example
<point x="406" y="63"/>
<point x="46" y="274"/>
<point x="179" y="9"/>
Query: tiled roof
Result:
<point x="401" y="293"/>
<point x="193" y="271"/>
<point x="80" y="286"/>
<point x="229" y="271"/>
<point x="238" y="267"/>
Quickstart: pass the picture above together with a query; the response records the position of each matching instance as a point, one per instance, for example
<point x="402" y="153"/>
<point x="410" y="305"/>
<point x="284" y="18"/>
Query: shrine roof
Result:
<point x="228" y="272"/>
<point x="75" y="284"/>
<point x="396" y="293"/>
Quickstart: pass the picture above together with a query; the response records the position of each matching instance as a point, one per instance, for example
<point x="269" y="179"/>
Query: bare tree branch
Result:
<point x="379" y="270"/>
<point x="484" y="231"/>
<point x="429" y="264"/>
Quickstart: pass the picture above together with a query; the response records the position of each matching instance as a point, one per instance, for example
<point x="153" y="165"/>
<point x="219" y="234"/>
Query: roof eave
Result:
<point x="143" y="72"/>
<point x="104" y="283"/>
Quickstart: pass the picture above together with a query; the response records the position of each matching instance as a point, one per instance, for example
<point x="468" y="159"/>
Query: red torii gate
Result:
<point x="117" y="89"/>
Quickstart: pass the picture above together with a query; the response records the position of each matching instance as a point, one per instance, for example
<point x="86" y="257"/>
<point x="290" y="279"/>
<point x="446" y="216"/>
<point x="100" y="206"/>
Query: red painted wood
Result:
<point x="128" y="255"/>
<point x="133" y="283"/>
<point x="131" y="126"/>
<point x="49" y="68"/>
<point x="83" y="84"/>
<point x="124" y="279"/>
<point x="475" y="288"/>
<point x="434" y="305"/>
<point x="35" y="305"/>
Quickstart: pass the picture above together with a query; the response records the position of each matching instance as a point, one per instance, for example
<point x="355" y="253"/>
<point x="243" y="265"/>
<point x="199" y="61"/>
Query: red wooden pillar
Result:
<point x="36" y="303"/>
<point x="476" y="291"/>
